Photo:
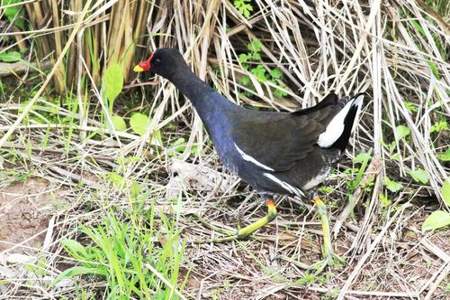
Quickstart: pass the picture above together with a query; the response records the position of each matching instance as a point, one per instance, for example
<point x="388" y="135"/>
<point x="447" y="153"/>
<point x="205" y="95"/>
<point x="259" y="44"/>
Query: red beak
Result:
<point x="144" y="66"/>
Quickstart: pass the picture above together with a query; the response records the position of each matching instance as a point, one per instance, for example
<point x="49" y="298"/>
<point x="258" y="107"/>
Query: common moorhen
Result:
<point x="274" y="152"/>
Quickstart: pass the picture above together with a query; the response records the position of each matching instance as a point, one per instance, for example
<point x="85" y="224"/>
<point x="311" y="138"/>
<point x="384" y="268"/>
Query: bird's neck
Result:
<point x="204" y="98"/>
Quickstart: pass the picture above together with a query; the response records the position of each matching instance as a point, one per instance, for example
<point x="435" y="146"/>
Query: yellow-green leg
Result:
<point x="242" y="233"/>
<point x="329" y="258"/>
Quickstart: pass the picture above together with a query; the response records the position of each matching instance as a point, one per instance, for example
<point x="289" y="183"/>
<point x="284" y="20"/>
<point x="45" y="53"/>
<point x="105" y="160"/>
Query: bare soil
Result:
<point x="25" y="209"/>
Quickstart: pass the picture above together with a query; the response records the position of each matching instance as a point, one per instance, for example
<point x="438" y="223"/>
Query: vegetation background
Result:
<point x="108" y="181"/>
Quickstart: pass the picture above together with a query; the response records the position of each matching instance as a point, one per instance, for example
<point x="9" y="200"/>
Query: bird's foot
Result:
<point x="329" y="258"/>
<point x="245" y="232"/>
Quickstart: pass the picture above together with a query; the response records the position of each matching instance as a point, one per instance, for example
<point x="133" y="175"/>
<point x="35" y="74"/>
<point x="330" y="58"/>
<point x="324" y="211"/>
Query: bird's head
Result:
<point x="163" y="61"/>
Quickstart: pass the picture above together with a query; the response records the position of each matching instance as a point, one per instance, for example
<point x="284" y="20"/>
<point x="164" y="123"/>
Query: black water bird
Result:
<point x="274" y="152"/>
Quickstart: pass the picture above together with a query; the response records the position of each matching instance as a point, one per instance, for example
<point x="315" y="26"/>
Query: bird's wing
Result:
<point x="330" y="100"/>
<point x="275" y="142"/>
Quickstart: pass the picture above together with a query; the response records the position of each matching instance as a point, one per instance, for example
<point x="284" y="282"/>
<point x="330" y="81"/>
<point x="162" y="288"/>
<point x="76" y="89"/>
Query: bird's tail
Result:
<point x="338" y="131"/>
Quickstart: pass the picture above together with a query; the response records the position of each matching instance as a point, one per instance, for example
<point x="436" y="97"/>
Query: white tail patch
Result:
<point x="336" y="126"/>
<point x="251" y="159"/>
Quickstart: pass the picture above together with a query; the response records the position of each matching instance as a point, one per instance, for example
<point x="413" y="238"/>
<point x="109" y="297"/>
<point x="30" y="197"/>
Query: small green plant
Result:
<point x="410" y="106"/>
<point x="111" y="87"/>
<point x="14" y="14"/>
<point x="262" y="74"/>
<point x="179" y="146"/>
<point x="444" y="156"/>
<point x="126" y="256"/>
<point x="18" y="175"/>
<point x="244" y="7"/>
<point x="447" y="289"/>
<point x="10" y="56"/>
<point x="112" y="83"/>
<point x="439" y="218"/>
<point x="362" y="159"/>
<point x="402" y="132"/>
<point x="392" y="185"/>
<point x="116" y="180"/>
<point x="331" y="294"/>
<point x="310" y="278"/>
<point x="436" y="220"/>
<point x="384" y="199"/>
<point x="419" y="175"/>
<point x="307" y="279"/>
<point x="326" y="189"/>
<point x="439" y="126"/>
<point x="445" y="192"/>
<point x="139" y="123"/>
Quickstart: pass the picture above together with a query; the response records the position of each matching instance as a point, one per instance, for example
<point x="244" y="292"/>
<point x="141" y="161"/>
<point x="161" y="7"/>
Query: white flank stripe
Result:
<point x="336" y="126"/>
<point x="318" y="179"/>
<point x="249" y="158"/>
<point x="285" y="185"/>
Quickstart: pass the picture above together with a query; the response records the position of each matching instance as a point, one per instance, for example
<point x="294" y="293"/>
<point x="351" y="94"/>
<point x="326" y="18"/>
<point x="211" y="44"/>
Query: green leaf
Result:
<point x="434" y="69"/>
<point x="307" y="279"/>
<point x="419" y="175"/>
<point x="135" y="189"/>
<point x="391" y="146"/>
<point x="243" y="7"/>
<point x="326" y="189"/>
<point x="10" y="56"/>
<point x="11" y="13"/>
<point x="260" y="73"/>
<point x="256" y="56"/>
<point x="276" y="73"/>
<point x="437" y="219"/>
<point x="118" y="123"/>
<point x="243" y="58"/>
<point x="117" y="180"/>
<point x="445" y="192"/>
<point x="178" y="146"/>
<point x="392" y="185"/>
<point x="255" y="45"/>
<point x="410" y="106"/>
<point x="402" y="131"/>
<point x="79" y="270"/>
<point x="279" y="93"/>
<point x="74" y="248"/>
<point x="396" y="157"/>
<point x="245" y="80"/>
<point x="385" y="201"/>
<point x="362" y="157"/>
<point x="157" y="138"/>
<point x="139" y="123"/>
<point x="418" y="27"/>
<point x="445" y="156"/>
<point x="439" y="126"/>
<point x="112" y="83"/>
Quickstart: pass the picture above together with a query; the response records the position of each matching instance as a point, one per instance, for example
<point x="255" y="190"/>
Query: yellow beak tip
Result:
<point x="138" y="69"/>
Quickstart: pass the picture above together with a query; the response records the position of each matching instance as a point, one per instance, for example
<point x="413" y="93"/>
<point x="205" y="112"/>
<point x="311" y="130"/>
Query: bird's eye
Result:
<point x="157" y="60"/>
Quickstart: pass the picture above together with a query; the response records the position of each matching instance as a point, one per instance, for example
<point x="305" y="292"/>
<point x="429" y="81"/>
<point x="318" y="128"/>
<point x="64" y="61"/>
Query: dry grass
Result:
<point x="396" y="51"/>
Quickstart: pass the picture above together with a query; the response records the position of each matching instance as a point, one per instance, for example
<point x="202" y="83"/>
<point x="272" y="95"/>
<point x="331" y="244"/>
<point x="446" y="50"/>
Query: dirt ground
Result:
<point x="403" y="264"/>
<point x="25" y="210"/>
